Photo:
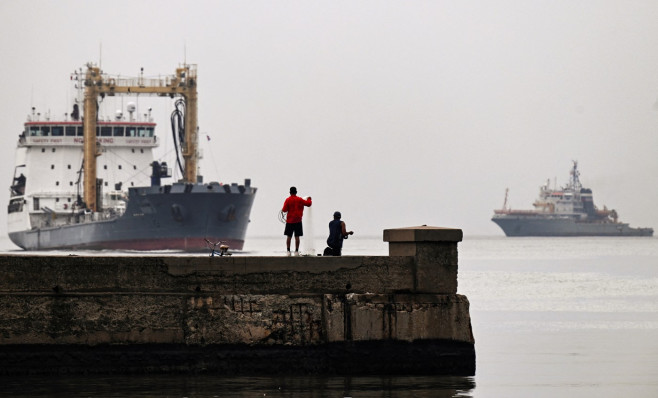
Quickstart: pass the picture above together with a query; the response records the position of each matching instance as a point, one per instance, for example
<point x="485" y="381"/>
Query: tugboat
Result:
<point x="84" y="183"/>
<point x="569" y="211"/>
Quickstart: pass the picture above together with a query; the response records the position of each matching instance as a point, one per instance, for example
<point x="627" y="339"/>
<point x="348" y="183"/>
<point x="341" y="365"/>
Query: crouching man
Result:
<point x="337" y="232"/>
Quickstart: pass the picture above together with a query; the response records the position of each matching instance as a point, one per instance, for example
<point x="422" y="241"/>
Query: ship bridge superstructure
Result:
<point x="70" y="133"/>
<point x="49" y="172"/>
<point x="572" y="199"/>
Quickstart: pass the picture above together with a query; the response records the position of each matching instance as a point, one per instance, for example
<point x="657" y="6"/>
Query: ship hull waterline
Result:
<point x="153" y="221"/>
<point x="563" y="226"/>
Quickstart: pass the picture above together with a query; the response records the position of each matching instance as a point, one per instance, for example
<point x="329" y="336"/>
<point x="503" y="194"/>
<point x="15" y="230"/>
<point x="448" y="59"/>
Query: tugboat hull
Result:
<point x="519" y="226"/>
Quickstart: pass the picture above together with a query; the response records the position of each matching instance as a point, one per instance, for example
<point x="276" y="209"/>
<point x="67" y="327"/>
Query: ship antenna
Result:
<point x="575" y="181"/>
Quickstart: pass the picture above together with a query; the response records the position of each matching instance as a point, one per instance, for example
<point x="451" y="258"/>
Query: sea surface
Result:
<point x="552" y="317"/>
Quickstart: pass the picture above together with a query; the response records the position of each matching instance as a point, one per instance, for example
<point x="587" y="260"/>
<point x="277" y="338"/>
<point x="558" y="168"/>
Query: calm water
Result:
<point x="552" y="317"/>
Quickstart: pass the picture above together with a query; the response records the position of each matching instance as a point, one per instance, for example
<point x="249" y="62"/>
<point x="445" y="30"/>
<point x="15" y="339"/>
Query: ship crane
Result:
<point x="183" y="84"/>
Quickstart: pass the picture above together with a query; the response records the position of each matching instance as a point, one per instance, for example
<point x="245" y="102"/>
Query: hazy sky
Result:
<point x="396" y="113"/>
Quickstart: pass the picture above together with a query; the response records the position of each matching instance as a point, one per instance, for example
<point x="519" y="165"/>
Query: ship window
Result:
<point x="149" y="132"/>
<point x="118" y="131"/>
<point x="71" y="183"/>
<point x="131" y="131"/>
<point x="34" y="131"/>
<point x="45" y="130"/>
<point x="80" y="131"/>
<point x="133" y="150"/>
<point x="141" y="132"/>
<point x="43" y="149"/>
<point x="15" y="205"/>
<point x="119" y="167"/>
<point x="98" y="131"/>
<point x="57" y="184"/>
<point x="134" y="167"/>
<point x="52" y="167"/>
<point x="56" y="200"/>
<point x="105" y="167"/>
<point x="53" y="149"/>
<point x="36" y="203"/>
<point x="132" y="184"/>
<point x="58" y="131"/>
<point x="69" y="166"/>
<point x="141" y="151"/>
<point x="106" y="131"/>
<point x="105" y="183"/>
<point x="70" y="131"/>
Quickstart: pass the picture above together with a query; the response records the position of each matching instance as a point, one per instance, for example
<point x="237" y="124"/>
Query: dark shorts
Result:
<point x="294" y="227"/>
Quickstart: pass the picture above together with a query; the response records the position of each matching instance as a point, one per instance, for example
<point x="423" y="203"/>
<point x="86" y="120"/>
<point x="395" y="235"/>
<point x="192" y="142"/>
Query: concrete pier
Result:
<point x="396" y="314"/>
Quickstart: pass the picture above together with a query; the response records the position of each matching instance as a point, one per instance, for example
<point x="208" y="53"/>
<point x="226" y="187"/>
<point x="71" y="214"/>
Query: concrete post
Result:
<point x="435" y="255"/>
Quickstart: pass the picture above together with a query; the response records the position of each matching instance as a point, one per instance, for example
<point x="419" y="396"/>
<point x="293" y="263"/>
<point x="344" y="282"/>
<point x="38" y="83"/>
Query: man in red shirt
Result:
<point x="294" y="206"/>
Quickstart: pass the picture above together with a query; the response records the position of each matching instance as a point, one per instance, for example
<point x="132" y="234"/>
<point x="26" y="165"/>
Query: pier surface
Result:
<point x="396" y="314"/>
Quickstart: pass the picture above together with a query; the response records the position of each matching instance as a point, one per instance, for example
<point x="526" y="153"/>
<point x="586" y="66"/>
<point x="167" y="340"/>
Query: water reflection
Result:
<point x="217" y="386"/>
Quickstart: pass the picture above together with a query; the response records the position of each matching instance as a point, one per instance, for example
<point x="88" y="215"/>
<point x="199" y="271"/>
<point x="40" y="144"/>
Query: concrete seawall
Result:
<point x="240" y="315"/>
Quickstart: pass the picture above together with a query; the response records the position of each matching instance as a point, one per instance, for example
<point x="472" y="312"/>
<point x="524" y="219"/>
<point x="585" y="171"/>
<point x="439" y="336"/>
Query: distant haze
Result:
<point x="396" y="113"/>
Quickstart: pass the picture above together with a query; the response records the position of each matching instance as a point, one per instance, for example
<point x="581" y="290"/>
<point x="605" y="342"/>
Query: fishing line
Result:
<point x="283" y="216"/>
<point x="309" y="235"/>
<point x="212" y="155"/>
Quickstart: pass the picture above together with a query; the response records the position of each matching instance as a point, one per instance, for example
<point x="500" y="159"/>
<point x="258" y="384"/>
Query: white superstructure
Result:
<point x="47" y="189"/>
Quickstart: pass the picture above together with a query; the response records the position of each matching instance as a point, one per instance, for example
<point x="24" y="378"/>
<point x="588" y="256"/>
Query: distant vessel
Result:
<point x="93" y="184"/>
<point x="569" y="211"/>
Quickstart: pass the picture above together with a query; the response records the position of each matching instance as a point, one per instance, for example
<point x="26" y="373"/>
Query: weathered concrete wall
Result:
<point x="360" y="314"/>
<point x="234" y="274"/>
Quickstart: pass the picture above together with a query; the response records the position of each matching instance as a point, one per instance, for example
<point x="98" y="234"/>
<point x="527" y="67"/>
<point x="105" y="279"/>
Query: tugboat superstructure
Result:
<point x="568" y="211"/>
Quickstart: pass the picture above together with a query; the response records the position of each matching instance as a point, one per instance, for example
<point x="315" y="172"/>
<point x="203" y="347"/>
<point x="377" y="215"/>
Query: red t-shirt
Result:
<point x="294" y="205"/>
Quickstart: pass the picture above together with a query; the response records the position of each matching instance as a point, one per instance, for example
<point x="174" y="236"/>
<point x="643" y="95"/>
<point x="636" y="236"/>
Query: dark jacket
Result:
<point x="335" y="240"/>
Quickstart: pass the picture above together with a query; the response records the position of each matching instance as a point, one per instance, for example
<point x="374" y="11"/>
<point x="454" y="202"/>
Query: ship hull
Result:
<point x="156" y="219"/>
<point x="563" y="226"/>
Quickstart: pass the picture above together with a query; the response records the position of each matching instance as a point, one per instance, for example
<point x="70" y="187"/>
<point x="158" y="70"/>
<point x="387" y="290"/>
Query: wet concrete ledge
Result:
<point x="396" y="314"/>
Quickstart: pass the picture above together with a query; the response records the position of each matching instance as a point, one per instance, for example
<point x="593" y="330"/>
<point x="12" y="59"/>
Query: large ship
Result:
<point x="88" y="183"/>
<point x="568" y="211"/>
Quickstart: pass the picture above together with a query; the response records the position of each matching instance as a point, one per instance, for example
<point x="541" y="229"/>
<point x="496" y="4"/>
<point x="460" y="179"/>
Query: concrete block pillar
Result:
<point x="435" y="255"/>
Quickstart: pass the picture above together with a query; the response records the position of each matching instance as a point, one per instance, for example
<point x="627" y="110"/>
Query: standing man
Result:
<point x="337" y="232"/>
<point x="294" y="206"/>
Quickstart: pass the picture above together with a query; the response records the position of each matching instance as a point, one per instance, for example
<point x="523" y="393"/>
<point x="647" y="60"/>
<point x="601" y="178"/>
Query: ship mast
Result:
<point x="505" y="202"/>
<point x="183" y="83"/>
<point x="575" y="180"/>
